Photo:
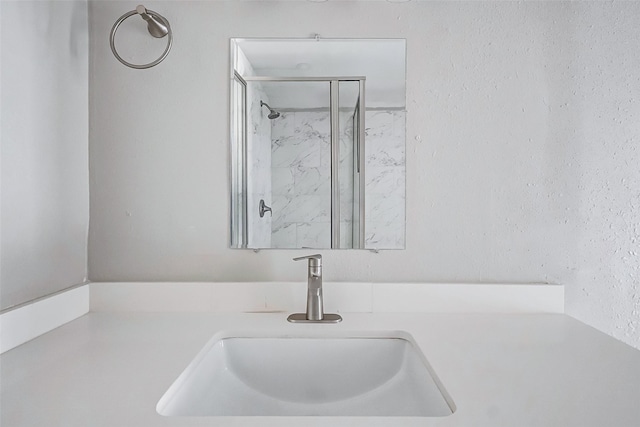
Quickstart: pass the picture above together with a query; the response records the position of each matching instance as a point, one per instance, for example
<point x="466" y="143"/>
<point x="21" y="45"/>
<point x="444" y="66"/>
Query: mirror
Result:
<point x="318" y="143"/>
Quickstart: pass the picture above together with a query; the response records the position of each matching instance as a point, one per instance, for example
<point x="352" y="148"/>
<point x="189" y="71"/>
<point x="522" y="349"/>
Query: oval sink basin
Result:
<point x="351" y="375"/>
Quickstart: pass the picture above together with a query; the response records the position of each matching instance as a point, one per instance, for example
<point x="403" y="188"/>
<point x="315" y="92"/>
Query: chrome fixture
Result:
<point x="263" y="208"/>
<point x="155" y="28"/>
<point x="158" y="27"/>
<point x="273" y="114"/>
<point x="315" y="310"/>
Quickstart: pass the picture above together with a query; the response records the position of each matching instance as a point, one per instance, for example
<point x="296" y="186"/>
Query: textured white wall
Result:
<point x="603" y="77"/>
<point x="45" y="180"/>
<point x="520" y="128"/>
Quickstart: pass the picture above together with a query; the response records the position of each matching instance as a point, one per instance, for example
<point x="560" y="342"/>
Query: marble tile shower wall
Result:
<point x="259" y="169"/>
<point x="301" y="179"/>
<point x="385" y="179"/>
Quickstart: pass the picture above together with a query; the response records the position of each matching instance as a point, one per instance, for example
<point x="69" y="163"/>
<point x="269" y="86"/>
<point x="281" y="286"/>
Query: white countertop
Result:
<point x="110" y="369"/>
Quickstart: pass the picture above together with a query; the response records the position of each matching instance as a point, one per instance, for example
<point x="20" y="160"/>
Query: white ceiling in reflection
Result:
<point x="381" y="61"/>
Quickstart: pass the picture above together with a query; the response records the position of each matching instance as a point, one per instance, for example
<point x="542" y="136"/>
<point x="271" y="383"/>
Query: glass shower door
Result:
<point x="304" y="168"/>
<point x="349" y="171"/>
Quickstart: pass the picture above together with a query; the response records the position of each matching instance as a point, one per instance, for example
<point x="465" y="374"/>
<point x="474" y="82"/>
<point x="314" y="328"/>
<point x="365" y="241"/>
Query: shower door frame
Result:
<point x="334" y="108"/>
<point x="238" y="227"/>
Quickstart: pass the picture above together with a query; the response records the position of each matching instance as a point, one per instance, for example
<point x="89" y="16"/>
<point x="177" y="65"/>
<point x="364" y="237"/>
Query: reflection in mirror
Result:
<point x="314" y="162"/>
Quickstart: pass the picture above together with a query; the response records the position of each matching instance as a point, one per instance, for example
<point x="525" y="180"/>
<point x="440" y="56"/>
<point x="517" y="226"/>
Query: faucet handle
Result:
<point x="314" y="260"/>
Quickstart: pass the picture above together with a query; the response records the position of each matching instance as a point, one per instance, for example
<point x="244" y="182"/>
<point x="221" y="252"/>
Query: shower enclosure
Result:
<point x="299" y="152"/>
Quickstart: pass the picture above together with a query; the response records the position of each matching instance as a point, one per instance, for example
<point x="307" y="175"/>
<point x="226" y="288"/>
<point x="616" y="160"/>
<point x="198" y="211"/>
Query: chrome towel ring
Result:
<point x="158" y="27"/>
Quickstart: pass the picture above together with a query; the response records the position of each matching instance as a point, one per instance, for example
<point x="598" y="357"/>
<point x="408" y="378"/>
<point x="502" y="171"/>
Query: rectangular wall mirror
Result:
<point x="318" y="143"/>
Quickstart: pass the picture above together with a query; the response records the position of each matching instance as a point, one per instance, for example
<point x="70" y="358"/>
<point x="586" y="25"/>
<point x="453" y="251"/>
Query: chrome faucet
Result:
<point x="315" y="310"/>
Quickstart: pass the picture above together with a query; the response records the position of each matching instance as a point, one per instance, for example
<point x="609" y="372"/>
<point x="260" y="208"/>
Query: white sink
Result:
<point x="355" y="374"/>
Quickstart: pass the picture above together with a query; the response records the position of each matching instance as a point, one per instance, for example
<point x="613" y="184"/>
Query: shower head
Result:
<point x="273" y="114"/>
<point x="155" y="27"/>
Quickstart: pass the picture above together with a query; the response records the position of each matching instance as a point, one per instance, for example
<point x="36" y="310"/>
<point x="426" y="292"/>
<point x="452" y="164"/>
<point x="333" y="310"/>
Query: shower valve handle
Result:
<point x="263" y="208"/>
